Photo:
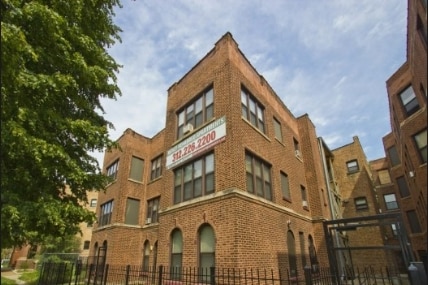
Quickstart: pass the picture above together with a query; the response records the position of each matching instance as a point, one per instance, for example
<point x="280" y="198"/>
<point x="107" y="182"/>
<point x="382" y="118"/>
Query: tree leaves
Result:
<point x="55" y="69"/>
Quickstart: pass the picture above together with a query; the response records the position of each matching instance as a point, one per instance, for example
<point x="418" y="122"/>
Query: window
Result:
<point x="197" y="112"/>
<point x="409" y="101"/>
<point x="421" y="144"/>
<point x="105" y="213"/>
<point x="302" y="248"/>
<point x="285" y="186"/>
<point x="258" y="177"/>
<point x="194" y="179"/>
<point x="112" y="170"/>
<point x="297" y="151"/>
<point x="313" y="255"/>
<point x="393" y="156"/>
<point x="137" y="167"/>
<point x="156" y="168"/>
<point x="390" y="201"/>
<point x="152" y="210"/>
<point x="93" y="203"/>
<point x="402" y="187"/>
<point x="412" y="217"/>
<point x="206" y="251"/>
<point x="304" y="196"/>
<point x="394" y="230"/>
<point x="422" y="29"/>
<point x="132" y="211"/>
<point x="277" y="128"/>
<point x="86" y="244"/>
<point x="292" y="260"/>
<point x="361" y="203"/>
<point x="146" y="255"/>
<point x="252" y="110"/>
<point x="352" y="166"/>
<point x="176" y="254"/>
<point x="384" y="177"/>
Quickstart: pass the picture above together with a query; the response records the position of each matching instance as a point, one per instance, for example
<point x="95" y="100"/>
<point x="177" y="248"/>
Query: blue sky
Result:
<point x="329" y="59"/>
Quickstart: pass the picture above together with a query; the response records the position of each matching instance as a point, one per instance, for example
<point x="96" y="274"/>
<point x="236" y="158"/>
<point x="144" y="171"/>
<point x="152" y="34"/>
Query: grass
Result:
<point x="5" y="281"/>
<point x="29" y="277"/>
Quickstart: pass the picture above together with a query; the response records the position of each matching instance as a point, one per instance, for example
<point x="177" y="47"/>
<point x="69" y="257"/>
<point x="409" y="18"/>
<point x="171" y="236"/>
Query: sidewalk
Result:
<point x="13" y="275"/>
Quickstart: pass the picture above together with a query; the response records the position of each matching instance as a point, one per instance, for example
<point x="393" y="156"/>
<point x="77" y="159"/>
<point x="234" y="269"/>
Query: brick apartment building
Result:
<point x="234" y="179"/>
<point x="354" y="175"/>
<point x="402" y="175"/>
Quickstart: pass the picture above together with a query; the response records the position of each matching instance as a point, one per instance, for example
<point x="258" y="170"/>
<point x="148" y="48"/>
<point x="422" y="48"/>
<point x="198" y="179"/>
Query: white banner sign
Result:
<point x="203" y="139"/>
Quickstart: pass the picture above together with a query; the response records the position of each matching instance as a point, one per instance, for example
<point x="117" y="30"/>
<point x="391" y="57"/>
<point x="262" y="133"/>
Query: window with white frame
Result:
<point x="156" y="168"/>
<point x="196" y="113"/>
<point x="105" y="213"/>
<point x="258" y="176"/>
<point x="409" y="100"/>
<point x="194" y="179"/>
<point x="112" y="169"/>
<point x="390" y="201"/>
<point x="152" y="210"/>
<point x="252" y="110"/>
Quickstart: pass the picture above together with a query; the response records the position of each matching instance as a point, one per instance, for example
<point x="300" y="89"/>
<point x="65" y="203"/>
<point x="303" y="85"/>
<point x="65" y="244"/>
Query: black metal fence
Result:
<point x="90" y="274"/>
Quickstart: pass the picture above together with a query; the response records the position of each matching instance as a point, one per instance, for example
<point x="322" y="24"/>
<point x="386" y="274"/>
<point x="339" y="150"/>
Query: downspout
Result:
<point x="331" y="200"/>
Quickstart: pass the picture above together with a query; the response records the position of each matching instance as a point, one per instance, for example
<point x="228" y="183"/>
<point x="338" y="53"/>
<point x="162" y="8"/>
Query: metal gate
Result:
<point x="379" y="242"/>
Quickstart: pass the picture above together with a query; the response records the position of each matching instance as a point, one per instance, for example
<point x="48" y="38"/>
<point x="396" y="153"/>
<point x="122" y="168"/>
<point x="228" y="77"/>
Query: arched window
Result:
<point x="95" y="249"/>
<point x="155" y="255"/>
<point x="146" y="255"/>
<point x="176" y="254"/>
<point x="206" y="251"/>
<point x="313" y="254"/>
<point x="291" y="246"/>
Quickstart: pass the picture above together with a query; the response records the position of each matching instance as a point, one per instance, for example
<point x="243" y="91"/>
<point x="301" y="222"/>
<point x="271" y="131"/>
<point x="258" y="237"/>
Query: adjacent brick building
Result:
<point x="234" y="179"/>
<point x="406" y="145"/>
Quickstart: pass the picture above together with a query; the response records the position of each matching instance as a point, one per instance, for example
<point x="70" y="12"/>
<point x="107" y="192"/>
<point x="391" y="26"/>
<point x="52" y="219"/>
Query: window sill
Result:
<point x="256" y="129"/>
<point x="135" y="181"/>
<point x="286" y="199"/>
<point x="299" y="158"/>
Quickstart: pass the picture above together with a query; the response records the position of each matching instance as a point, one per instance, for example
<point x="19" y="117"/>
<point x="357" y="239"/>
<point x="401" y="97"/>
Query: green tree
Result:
<point x="55" y="68"/>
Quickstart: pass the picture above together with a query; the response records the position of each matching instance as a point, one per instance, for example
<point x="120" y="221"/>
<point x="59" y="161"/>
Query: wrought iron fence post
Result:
<point x="160" y="275"/>
<point x="105" y="274"/>
<point x="212" y="273"/>
<point x="128" y="267"/>
<point x="308" y="275"/>
<point x="91" y="270"/>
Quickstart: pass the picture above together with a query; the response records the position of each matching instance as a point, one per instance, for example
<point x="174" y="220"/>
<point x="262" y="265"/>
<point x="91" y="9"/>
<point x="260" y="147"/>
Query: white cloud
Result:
<point x="329" y="59"/>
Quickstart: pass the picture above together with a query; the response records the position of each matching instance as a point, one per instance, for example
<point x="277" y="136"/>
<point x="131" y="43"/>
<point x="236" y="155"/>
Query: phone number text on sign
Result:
<point x="201" y="140"/>
<point x="194" y="146"/>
